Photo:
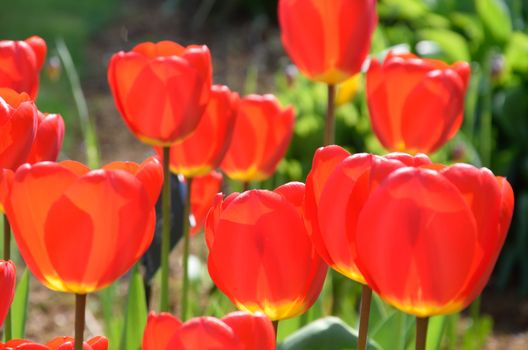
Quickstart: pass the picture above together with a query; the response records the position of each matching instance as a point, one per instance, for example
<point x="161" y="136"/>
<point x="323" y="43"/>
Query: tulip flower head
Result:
<point x="424" y="236"/>
<point x="204" y="149"/>
<point x="416" y="105"/>
<point x="48" y="140"/>
<point x="161" y="89"/>
<point x="7" y="288"/>
<point x="263" y="131"/>
<point x="20" y="64"/>
<point x="260" y="254"/>
<point x="79" y="230"/>
<point x="203" y="194"/>
<point x="18" y="127"/>
<point x="59" y="343"/>
<point x="444" y="228"/>
<point x="327" y="40"/>
<point x="235" y="331"/>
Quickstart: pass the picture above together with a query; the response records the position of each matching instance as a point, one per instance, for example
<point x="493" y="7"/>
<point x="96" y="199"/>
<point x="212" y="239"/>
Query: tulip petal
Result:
<point x="415" y="242"/>
<point x="203" y="151"/>
<point x="260" y="138"/>
<point x="205" y="333"/>
<point x="159" y="331"/>
<point x="18" y="126"/>
<point x="7" y="287"/>
<point x="437" y="91"/>
<point x="101" y="201"/>
<point x="254" y="331"/>
<point x="203" y="193"/>
<point x="48" y="139"/>
<point x="342" y="199"/>
<point x="324" y="162"/>
<point x="35" y="189"/>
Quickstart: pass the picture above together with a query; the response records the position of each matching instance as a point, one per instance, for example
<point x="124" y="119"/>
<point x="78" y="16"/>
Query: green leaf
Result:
<point x="329" y="333"/>
<point x="453" y="45"/>
<point x="394" y="332"/>
<point x="517" y="52"/>
<point x="402" y="9"/>
<point x="19" y="308"/>
<point x="495" y="16"/>
<point x="475" y="336"/>
<point x="435" y="332"/>
<point x="113" y="325"/>
<point x="471" y="27"/>
<point x="136" y="312"/>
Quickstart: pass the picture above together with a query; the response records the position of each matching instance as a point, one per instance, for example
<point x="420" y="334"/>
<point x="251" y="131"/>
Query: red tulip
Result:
<point x="260" y="254"/>
<point x="327" y="40"/>
<point x="261" y="137"/>
<point x="236" y="331"/>
<point x="59" y="343"/>
<point x="18" y="126"/>
<point x="204" y="149"/>
<point x="425" y="237"/>
<point x="79" y="230"/>
<point x="48" y="140"/>
<point x="20" y="64"/>
<point x="161" y="89"/>
<point x="442" y="230"/>
<point x="7" y="287"/>
<point x="203" y="193"/>
<point x="416" y="105"/>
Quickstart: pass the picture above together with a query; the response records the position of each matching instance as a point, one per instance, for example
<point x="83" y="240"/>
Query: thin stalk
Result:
<point x="245" y="186"/>
<point x="303" y="319"/>
<point x="186" y="239"/>
<point x="276" y="328"/>
<point x="7" y="255"/>
<point x="80" y="309"/>
<point x="421" y="332"/>
<point x="366" y="298"/>
<point x="329" y="135"/>
<point x="165" y="233"/>
<point x="337" y="286"/>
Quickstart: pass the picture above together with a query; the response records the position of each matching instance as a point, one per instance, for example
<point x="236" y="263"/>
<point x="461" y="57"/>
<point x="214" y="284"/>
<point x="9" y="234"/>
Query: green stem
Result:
<point x="421" y="332"/>
<point x="276" y="328"/>
<point x="80" y="309"/>
<point x="303" y="319"/>
<point x="165" y="238"/>
<point x="329" y="135"/>
<point x="245" y="186"/>
<point x="7" y="255"/>
<point x="337" y="286"/>
<point x="186" y="239"/>
<point x="366" y="298"/>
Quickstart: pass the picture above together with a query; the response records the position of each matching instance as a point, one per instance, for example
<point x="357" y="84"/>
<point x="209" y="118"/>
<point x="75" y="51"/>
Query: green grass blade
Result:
<point x="19" y="308"/>
<point x="435" y="332"/>
<point x="136" y="312"/>
<point x="113" y="325"/>
<point x="85" y="123"/>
